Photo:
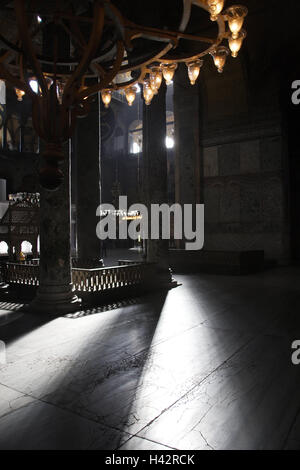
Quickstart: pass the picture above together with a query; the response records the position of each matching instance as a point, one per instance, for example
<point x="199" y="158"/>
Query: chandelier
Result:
<point x="105" y="51"/>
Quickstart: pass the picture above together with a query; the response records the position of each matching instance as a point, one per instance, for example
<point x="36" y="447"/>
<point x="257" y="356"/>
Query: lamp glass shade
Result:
<point x="235" y="44"/>
<point x="215" y="8"/>
<point x="168" y="71"/>
<point x="194" y="70"/>
<point x="106" y="97"/>
<point x="130" y="94"/>
<point x="220" y="55"/>
<point x="235" y="16"/>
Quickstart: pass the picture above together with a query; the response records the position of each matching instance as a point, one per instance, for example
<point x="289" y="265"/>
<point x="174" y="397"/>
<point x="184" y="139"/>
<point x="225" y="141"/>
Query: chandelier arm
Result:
<point x="156" y="58"/>
<point x="37" y="122"/>
<point x="187" y="8"/>
<point x="73" y="35"/>
<point x="27" y="43"/>
<point x="190" y="58"/>
<point x="155" y="33"/>
<point x="16" y="82"/>
<point x="108" y="77"/>
<point x="91" y="49"/>
<point x="10" y="45"/>
<point x="100" y="71"/>
<point x="5" y="56"/>
<point x="142" y="73"/>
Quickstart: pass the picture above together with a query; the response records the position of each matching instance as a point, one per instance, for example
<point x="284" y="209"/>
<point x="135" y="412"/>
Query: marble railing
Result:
<point x="84" y="280"/>
<point x="22" y="273"/>
<point x="102" y="279"/>
<point x="122" y="262"/>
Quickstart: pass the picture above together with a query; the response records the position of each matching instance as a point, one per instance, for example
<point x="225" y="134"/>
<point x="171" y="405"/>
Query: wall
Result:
<point x="245" y="177"/>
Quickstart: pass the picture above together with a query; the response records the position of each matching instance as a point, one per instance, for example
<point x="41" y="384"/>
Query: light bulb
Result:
<point x="106" y="97"/>
<point x="155" y="79"/>
<point x="215" y="8"/>
<point x="235" y="16"/>
<point x="130" y="93"/>
<point x="168" y="71"/>
<point x="194" y="70"/>
<point x="220" y="55"/>
<point x="49" y="81"/>
<point x="34" y="85"/>
<point x="60" y="86"/>
<point x="20" y="94"/>
<point x="147" y="92"/>
<point x="82" y="88"/>
<point x="235" y="44"/>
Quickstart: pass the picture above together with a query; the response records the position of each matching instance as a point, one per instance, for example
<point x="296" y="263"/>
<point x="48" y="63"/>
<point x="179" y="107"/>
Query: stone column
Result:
<point x="55" y="295"/>
<point x="87" y="161"/>
<point x="154" y="166"/>
<point x="187" y="140"/>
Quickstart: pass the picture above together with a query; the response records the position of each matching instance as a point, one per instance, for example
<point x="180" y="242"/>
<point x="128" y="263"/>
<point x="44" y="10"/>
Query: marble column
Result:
<point x="88" y="184"/>
<point x="55" y="294"/>
<point x="154" y="167"/>
<point x="187" y="137"/>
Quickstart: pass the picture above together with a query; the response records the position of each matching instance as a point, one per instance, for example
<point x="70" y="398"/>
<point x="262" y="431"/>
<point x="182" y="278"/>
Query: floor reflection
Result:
<point x="205" y="366"/>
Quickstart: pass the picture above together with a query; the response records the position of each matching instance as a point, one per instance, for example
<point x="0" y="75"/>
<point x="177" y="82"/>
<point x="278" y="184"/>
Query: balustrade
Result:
<point x="84" y="280"/>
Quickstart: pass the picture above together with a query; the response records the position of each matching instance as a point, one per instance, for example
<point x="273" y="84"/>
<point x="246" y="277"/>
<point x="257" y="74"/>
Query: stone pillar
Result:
<point x="155" y="188"/>
<point x="87" y="161"/>
<point x="34" y="247"/>
<point x="187" y="140"/>
<point x="55" y="295"/>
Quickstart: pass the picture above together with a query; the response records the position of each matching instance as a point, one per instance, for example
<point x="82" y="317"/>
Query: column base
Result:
<point x="55" y="300"/>
<point x="161" y="278"/>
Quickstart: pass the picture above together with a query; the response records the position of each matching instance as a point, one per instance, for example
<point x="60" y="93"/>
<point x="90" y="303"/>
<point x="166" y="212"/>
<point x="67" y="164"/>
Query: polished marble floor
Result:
<point x="206" y="365"/>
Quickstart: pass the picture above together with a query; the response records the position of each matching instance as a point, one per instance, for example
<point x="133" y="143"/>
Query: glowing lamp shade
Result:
<point x="82" y="89"/>
<point x="20" y="94"/>
<point x="106" y="97"/>
<point x="220" y="55"/>
<point x="147" y="92"/>
<point x="49" y="81"/>
<point x="155" y="79"/>
<point x="235" y="44"/>
<point x="130" y="94"/>
<point x="215" y="8"/>
<point x="34" y="85"/>
<point x="194" y="70"/>
<point x="168" y="71"/>
<point x="235" y="16"/>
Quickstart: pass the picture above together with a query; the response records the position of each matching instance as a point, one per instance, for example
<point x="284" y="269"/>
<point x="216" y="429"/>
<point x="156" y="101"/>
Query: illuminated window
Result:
<point x="170" y="141"/>
<point x="3" y="248"/>
<point x="136" y="135"/>
<point x="26" y="247"/>
<point x="135" y="138"/>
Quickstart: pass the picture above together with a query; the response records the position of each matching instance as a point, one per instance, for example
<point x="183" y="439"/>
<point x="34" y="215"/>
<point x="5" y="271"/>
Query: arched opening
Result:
<point x="135" y="137"/>
<point x="26" y="247"/>
<point x="3" y="248"/>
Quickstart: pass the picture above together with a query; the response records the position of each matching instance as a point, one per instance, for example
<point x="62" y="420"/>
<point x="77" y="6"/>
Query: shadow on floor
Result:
<point x="95" y="375"/>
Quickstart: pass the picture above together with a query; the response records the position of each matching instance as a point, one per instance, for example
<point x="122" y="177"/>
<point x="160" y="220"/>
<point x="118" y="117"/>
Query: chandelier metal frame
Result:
<point x="63" y="96"/>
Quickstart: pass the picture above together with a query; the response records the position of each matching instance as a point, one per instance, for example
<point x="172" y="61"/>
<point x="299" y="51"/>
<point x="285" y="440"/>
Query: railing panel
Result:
<point x="84" y="280"/>
<point x="102" y="279"/>
<point x="22" y="273"/>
